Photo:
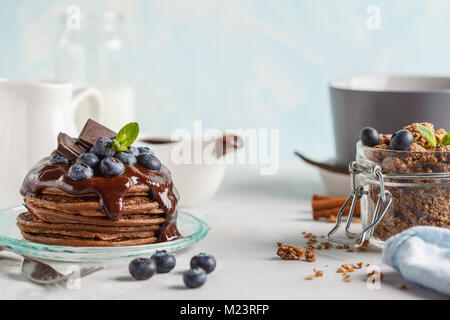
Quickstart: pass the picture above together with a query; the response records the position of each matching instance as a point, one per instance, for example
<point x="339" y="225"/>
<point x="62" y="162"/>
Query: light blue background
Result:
<point x="243" y="63"/>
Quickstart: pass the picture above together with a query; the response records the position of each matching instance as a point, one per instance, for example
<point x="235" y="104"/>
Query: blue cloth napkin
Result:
<point x="422" y="255"/>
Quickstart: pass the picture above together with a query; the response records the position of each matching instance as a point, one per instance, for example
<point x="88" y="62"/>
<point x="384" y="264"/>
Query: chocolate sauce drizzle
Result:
<point x="110" y="191"/>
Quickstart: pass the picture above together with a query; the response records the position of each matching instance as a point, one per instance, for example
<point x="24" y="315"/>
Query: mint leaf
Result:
<point x="446" y="139"/>
<point x="118" y="147"/>
<point x="127" y="135"/>
<point x="428" y="134"/>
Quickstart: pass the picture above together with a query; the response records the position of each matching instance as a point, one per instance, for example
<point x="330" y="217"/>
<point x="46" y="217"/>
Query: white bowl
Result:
<point x="336" y="184"/>
<point x="196" y="182"/>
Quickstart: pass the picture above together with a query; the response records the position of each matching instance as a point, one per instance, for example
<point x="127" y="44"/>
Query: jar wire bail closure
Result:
<point x="383" y="203"/>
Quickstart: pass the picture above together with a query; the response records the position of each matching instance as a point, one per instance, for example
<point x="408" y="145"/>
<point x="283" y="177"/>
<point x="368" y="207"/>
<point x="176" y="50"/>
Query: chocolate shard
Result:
<point x="91" y="132"/>
<point x="67" y="147"/>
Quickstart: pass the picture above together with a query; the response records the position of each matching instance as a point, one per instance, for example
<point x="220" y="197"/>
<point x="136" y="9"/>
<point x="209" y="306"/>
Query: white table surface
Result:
<point x="248" y="216"/>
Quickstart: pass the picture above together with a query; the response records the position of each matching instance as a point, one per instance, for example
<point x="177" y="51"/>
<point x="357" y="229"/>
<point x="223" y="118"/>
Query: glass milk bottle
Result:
<point x="93" y="49"/>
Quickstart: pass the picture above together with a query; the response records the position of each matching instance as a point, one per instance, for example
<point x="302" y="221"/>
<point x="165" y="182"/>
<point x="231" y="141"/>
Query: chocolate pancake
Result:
<point x="89" y="206"/>
<point x="138" y="206"/>
<point x="127" y="220"/>
<point x="89" y="234"/>
<point x="80" y="242"/>
<point x="27" y="219"/>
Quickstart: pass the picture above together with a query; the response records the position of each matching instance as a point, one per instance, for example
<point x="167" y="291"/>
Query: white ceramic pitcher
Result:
<point x="31" y="116"/>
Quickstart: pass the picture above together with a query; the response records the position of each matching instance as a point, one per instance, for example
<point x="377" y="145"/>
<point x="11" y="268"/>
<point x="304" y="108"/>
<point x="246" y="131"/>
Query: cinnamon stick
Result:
<point x="328" y="203"/>
<point x="326" y="207"/>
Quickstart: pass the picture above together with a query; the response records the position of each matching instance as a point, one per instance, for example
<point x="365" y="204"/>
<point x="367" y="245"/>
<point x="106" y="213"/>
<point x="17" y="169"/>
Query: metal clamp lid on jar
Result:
<point x="383" y="203"/>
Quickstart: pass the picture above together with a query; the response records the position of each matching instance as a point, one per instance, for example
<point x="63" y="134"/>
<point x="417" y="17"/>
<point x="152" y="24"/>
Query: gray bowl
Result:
<point x="387" y="103"/>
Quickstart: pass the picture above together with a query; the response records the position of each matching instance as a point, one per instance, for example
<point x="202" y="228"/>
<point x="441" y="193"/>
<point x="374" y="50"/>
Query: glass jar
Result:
<point x="398" y="190"/>
<point x="96" y="52"/>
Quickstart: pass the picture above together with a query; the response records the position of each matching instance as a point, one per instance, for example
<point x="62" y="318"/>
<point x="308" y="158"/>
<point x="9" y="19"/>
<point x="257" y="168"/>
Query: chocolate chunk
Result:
<point x="67" y="147"/>
<point x="91" y="132"/>
<point x="71" y="148"/>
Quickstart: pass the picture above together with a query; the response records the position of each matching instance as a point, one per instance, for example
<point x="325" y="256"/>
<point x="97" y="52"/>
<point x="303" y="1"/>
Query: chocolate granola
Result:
<point x="418" y="200"/>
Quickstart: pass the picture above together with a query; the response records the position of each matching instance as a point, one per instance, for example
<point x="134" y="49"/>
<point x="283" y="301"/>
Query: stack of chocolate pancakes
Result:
<point x="134" y="208"/>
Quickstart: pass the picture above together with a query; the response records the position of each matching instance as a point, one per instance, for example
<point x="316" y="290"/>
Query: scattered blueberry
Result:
<point x="149" y="161"/>
<point x="143" y="150"/>
<point x="80" y="171"/>
<point x="194" y="278"/>
<point x="142" y="268"/>
<point x="165" y="262"/>
<point x="401" y="140"/>
<point x="103" y="147"/>
<point x="126" y="157"/>
<point x="55" y="157"/>
<point x="111" y="167"/>
<point x="204" y="261"/>
<point x="133" y="150"/>
<point x="370" y="137"/>
<point x="89" y="158"/>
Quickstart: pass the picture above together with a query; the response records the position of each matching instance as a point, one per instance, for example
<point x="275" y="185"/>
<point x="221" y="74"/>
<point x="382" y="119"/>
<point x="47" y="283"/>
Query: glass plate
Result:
<point x="191" y="228"/>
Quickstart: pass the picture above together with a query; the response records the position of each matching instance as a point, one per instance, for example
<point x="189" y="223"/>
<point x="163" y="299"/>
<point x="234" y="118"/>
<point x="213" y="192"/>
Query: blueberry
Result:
<point x="111" y="167"/>
<point x="369" y="137"/>
<point x="143" y="150"/>
<point x="133" y="150"/>
<point x="142" y="268"/>
<point x="55" y="157"/>
<point x="401" y="140"/>
<point x="80" y="171"/>
<point x="126" y="157"/>
<point x="165" y="262"/>
<point x="103" y="147"/>
<point x="149" y="161"/>
<point x="204" y="261"/>
<point x="89" y="158"/>
<point x="194" y="278"/>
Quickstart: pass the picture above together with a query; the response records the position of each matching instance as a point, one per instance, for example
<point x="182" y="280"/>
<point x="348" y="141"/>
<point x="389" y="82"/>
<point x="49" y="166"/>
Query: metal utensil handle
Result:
<point x="383" y="203"/>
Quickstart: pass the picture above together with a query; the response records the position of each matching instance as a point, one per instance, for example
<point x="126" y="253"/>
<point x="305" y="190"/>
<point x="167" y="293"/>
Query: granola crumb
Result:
<point x="402" y="286"/>
<point x="326" y="244"/>
<point x="310" y="277"/>
<point x="332" y="218"/>
<point x="360" y="265"/>
<point x="357" y="221"/>
<point x="350" y="250"/>
<point x="310" y="255"/>
<point x="318" y="273"/>
<point x="289" y="252"/>
<point x="348" y="267"/>
<point x="347" y="278"/>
